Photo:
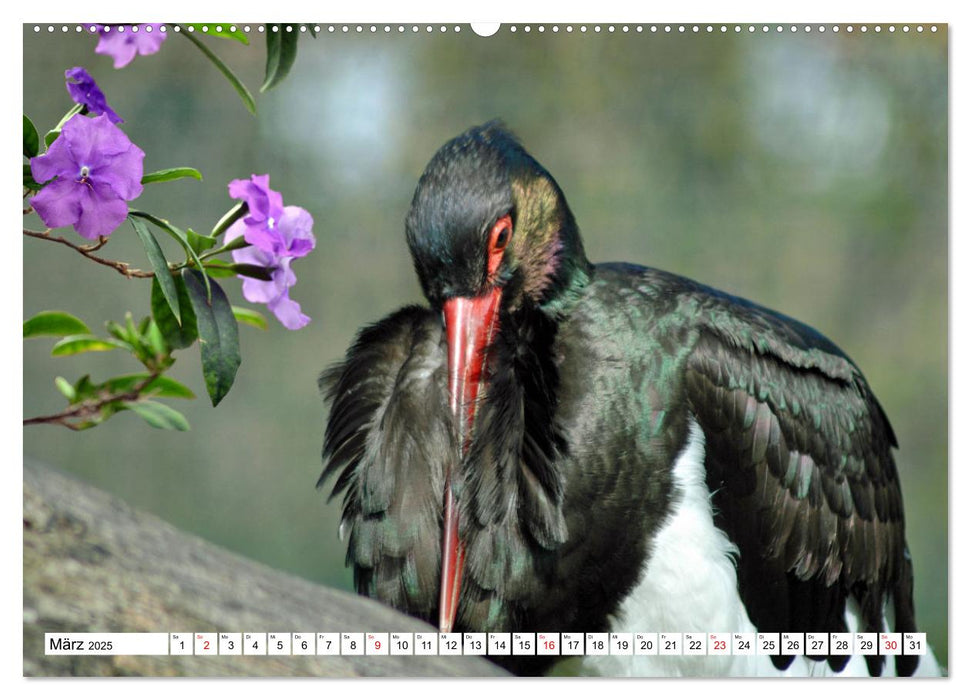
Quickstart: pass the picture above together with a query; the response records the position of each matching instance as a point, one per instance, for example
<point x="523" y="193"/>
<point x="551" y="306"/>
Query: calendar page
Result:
<point x="248" y="245"/>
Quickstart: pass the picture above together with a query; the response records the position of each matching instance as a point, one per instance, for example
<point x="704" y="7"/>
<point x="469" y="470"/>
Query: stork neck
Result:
<point x="572" y="278"/>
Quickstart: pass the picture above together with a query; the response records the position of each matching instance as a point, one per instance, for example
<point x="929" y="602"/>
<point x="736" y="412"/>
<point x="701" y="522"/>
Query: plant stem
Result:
<point x="234" y="244"/>
<point x="237" y="84"/>
<point x="91" y="407"/>
<point x="86" y="250"/>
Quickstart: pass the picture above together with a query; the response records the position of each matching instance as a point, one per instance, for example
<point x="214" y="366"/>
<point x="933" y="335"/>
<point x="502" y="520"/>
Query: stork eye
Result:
<point x="498" y="238"/>
<point x="500" y="234"/>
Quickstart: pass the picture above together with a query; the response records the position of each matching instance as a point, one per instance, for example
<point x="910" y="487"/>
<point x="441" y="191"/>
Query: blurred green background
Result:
<point x="807" y="172"/>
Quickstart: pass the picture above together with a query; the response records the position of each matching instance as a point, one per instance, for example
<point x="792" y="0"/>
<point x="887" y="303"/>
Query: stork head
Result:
<point x="487" y="216"/>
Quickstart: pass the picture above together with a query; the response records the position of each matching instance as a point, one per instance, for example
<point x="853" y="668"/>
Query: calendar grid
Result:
<point x="485" y="644"/>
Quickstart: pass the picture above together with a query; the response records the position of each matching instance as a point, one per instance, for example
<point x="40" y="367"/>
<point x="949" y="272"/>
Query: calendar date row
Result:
<point x="485" y="644"/>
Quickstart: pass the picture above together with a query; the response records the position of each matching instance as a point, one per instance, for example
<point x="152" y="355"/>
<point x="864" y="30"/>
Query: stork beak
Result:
<point x="469" y="327"/>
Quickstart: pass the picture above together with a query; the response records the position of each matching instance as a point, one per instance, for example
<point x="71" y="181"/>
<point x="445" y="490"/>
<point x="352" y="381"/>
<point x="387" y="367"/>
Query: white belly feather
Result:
<point x="689" y="584"/>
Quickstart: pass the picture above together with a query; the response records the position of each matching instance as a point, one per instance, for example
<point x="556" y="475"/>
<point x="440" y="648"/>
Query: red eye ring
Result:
<point x="498" y="239"/>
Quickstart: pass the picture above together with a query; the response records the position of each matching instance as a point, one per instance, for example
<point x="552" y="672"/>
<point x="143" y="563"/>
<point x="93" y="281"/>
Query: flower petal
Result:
<point x="92" y="138"/>
<point x="101" y="211"/>
<point x="288" y="312"/>
<point x="59" y="203"/>
<point x="267" y="241"/>
<point x="123" y="172"/>
<point x="262" y="202"/>
<point x="78" y="74"/>
<point x="148" y="42"/>
<point x="234" y="231"/>
<point x="86" y="92"/>
<point x="295" y="229"/>
<point x="59" y="160"/>
<point x="284" y="275"/>
<point x="115" y="44"/>
<point x="261" y="291"/>
<point x="251" y="255"/>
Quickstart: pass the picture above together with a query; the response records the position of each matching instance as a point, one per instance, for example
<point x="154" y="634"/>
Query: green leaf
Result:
<point x="54" y="323"/>
<point x="31" y="139"/>
<point x="130" y="327"/>
<point x="159" y="265"/>
<point x="199" y="243"/>
<point x="160" y="386"/>
<point x="56" y="131"/>
<point x="153" y="337"/>
<point x="223" y="32"/>
<point x="281" y="52"/>
<point x="66" y="388"/>
<point x="75" y="344"/>
<point x="218" y="335"/>
<point x="176" y="233"/>
<point x="29" y="182"/>
<point x="168" y="387"/>
<point x="250" y="317"/>
<point x="84" y="388"/>
<point x="170" y="174"/>
<point x="118" y="331"/>
<point x="158" y="415"/>
<point x="142" y="351"/>
<point x="219" y="269"/>
<point x="176" y="336"/>
<point x="237" y="84"/>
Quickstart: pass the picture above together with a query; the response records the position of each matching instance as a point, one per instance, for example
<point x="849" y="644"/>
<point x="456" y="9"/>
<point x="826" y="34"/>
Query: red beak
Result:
<point x="469" y="327"/>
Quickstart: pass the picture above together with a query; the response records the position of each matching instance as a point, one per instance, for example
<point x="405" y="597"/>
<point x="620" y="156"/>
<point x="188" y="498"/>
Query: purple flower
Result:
<point x="267" y="224"/>
<point x="122" y="42"/>
<point x="83" y="90"/>
<point x="265" y="210"/>
<point x="97" y="170"/>
<point x="277" y="236"/>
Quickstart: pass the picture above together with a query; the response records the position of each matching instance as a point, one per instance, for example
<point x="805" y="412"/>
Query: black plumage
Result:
<point x="589" y="385"/>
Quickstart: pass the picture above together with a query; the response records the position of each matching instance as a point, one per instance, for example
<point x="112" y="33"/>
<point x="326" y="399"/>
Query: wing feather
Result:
<point x="800" y="464"/>
<point x="387" y="438"/>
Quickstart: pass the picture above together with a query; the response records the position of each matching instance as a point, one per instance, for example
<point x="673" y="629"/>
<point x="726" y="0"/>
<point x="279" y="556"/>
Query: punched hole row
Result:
<point x="513" y="28"/>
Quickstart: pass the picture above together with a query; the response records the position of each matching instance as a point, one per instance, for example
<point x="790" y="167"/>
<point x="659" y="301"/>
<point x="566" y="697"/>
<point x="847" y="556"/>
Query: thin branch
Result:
<point x="102" y="241"/>
<point x="58" y="419"/>
<point x="91" y="407"/>
<point x="86" y="250"/>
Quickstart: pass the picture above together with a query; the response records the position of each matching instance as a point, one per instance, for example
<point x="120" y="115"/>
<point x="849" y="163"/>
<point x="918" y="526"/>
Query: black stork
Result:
<point x="556" y="446"/>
